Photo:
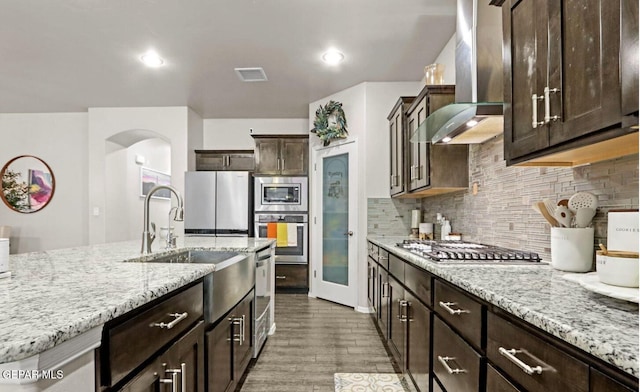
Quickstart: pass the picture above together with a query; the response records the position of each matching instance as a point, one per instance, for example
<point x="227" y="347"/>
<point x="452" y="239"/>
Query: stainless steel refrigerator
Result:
<point x="218" y="203"/>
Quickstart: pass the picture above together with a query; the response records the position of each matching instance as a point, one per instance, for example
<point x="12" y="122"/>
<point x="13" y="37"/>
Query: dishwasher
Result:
<point x="264" y="303"/>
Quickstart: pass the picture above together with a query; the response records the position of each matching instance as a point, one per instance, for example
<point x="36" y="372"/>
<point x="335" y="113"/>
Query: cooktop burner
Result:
<point x="461" y="252"/>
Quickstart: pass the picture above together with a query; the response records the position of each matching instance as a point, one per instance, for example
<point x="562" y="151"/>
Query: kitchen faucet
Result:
<point x="147" y="235"/>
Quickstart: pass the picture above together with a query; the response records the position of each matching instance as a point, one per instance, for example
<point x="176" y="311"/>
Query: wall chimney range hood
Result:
<point x="477" y="114"/>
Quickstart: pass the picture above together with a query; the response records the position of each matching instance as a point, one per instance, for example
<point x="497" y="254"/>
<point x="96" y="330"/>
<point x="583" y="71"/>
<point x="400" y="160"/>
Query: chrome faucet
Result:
<point x="147" y="235"/>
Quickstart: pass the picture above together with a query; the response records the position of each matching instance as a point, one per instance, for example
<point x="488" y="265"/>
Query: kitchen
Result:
<point x="494" y="216"/>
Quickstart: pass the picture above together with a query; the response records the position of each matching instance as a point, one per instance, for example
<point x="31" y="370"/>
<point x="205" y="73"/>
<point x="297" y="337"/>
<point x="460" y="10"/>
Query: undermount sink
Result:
<point x="220" y="258"/>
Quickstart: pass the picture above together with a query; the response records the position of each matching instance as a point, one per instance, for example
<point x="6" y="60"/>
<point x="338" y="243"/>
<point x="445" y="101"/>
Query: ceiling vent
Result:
<point x="251" y="74"/>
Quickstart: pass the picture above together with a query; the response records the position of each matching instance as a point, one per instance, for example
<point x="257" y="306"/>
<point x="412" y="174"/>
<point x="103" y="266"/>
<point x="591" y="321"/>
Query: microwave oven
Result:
<point x="281" y="194"/>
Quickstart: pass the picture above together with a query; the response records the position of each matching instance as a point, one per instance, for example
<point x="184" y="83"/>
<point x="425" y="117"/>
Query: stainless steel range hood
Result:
<point x="477" y="114"/>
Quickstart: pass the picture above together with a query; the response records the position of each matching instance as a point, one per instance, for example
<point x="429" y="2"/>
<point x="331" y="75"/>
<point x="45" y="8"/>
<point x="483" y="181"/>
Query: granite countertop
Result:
<point x="56" y="295"/>
<point x="602" y="326"/>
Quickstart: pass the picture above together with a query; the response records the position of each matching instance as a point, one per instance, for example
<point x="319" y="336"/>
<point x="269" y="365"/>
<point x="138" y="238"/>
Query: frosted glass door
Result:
<point x="335" y="219"/>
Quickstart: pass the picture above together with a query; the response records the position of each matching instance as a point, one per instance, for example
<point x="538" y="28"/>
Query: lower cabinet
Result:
<point x="292" y="277"/>
<point x="497" y="383"/>
<point x="598" y="382"/>
<point x="455" y="363"/>
<point x="229" y="347"/>
<point x="371" y="282"/>
<point x="397" y="328"/>
<point x="180" y="367"/>
<point x="383" y="302"/>
<point x="418" y="341"/>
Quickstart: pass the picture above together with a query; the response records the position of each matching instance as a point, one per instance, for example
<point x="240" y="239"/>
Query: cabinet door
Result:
<point x="397" y="320"/>
<point x="371" y="282"/>
<point x="383" y="304"/>
<point x="292" y="277"/>
<point x="418" y="152"/>
<point x="210" y="161"/>
<point x="242" y="342"/>
<point x="219" y="371"/>
<point x="526" y="37"/>
<point x="396" y="136"/>
<point x="294" y="157"/>
<point x="148" y="380"/>
<point x="186" y="358"/>
<point x="418" y="337"/>
<point x="240" y="162"/>
<point x="601" y="383"/>
<point x="584" y="50"/>
<point x="267" y="156"/>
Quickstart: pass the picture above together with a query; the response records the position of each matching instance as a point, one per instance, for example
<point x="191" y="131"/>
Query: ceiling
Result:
<point x="69" y="55"/>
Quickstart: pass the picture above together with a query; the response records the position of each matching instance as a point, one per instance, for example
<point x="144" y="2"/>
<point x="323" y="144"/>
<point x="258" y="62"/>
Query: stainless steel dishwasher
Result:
<point x="264" y="323"/>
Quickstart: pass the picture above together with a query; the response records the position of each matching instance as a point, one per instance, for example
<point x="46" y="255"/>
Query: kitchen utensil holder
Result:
<point x="572" y="249"/>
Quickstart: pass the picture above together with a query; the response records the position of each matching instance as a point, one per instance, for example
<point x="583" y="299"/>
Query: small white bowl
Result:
<point x="617" y="271"/>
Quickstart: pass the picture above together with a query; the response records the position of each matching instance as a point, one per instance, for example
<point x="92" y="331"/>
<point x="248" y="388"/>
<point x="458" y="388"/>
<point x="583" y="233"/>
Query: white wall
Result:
<point x="366" y="107"/>
<point x="167" y="123"/>
<point x="60" y="139"/>
<point x="447" y="57"/>
<point x="234" y="133"/>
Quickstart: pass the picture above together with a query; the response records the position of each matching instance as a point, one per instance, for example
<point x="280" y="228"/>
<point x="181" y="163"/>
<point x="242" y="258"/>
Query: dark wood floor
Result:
<point x="314" y="339"/>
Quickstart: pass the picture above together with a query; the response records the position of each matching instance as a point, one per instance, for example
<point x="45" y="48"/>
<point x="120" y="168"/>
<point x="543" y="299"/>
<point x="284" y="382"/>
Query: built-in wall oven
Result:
<point x="296" y="251"/>
<point x="281" y="194"/>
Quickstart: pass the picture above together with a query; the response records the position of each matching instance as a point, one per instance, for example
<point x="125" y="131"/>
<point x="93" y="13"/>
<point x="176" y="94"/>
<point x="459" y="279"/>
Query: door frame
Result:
<point x="315" y="227"/>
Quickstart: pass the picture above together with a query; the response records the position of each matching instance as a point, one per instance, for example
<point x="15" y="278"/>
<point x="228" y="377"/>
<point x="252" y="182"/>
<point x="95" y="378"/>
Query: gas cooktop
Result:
<point x="467" y="252"/>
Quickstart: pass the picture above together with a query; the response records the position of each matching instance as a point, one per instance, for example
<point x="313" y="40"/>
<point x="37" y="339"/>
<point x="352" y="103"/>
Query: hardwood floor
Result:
<point x="314" y="339"/>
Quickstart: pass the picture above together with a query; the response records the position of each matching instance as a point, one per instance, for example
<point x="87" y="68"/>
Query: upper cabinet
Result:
<point x="397" y="129"/>
<point x="571" y="80"/>
<point x="282" y="155"/>
<point x="241" y="160"/>
<point x="428" y="169"/>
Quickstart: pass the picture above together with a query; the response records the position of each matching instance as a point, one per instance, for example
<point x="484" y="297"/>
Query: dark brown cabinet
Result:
<point x="418" y="320"/>
<point x="456" y="364"/>
<point x="397" y="319"/>
<point x="429" y="169"/>
<point x="397" y="130"/>
<point x="563" y="83"/>
<point x="383" y="301"/>
<point x="183" y="363"/>
<point x="229" y="160"/>
<point x="598" y="382"/>
<point x="371" y="282"/>
<point x="292" y="277"/>
<point x="282" y="155"/>
<point x="229" y="347"/>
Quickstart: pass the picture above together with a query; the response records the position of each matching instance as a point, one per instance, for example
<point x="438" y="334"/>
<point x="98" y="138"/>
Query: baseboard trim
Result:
<point x="364" y="309"/>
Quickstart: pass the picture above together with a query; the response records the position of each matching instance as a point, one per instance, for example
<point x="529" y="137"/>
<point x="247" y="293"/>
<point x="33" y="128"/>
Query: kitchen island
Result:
<point x="55" y="302"/>
<point x="602" y="327"/>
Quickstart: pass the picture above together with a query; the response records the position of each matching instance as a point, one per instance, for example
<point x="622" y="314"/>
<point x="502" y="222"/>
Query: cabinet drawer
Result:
<point x="419" y="282"/>
<point x="550" y="369"/>
<point x="396" y="268"/>
<point x="291" y="276"/>
<point x="455" y="363"/>
<point x="497" y="383"/>
<point x="460" y="311"/>
<point x="602" y="383"/>
<point x="131" y="342"/>
<point x="383" y="258"/>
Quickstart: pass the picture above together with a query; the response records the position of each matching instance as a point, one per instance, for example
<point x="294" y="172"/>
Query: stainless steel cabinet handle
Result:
<point x="511" y="356"/>
<point x="242" y="331"/>
<point x="383" y="258"/>
<point x="282" y="163"/>
<point x="411" y="171"/>
<point x="445" y="362"/>
<point x="281" y="277"/>
<point x="448" y="308"/>
<point x="174" y="378"/>
<point x="402" y="304"/>
<point x="239" y="322"/>
<point x="385" y="284"/>
<point x="183" y="377"/>
<point x="534" y="110"/>
<point x="547" y="109"/>
<point x="178" y="317"/>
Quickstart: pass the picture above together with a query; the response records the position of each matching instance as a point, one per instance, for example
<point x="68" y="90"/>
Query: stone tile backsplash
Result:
<point x="501" y="214"/>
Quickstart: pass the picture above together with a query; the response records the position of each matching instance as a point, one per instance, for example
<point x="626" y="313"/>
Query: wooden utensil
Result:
<point x="618" y="253"/>
<point x="564" y="202"/>
<point x="542" y="209"/>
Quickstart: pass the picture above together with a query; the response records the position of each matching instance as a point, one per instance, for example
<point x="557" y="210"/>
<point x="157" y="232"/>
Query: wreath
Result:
<point x="327" y="130"/>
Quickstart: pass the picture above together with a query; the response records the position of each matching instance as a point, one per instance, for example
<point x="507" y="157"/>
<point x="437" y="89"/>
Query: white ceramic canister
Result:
<point x="572" y="249"/>
<point x="4" y="255"/>
<point x="617" y="271"/>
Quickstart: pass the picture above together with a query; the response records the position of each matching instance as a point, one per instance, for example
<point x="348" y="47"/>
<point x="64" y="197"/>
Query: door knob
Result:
<point x="349" y="233"/>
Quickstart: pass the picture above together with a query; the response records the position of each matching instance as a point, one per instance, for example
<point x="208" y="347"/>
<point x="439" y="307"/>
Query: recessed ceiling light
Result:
<point x="151" y="59"/>
<point x="332" y="57"/>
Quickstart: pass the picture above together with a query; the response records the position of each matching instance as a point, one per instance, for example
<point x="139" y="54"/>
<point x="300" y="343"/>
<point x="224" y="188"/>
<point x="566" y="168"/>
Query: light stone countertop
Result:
<point x="56" y="295"/>
<point x="602" y="326"/>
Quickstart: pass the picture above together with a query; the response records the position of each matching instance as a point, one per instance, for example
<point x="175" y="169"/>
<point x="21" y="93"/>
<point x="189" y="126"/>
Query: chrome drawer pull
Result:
<point x="547" y="111"/>
<point x="511" y="356"/>
<point x="402" y="304"/>
<point x="178" y="317"/>
<point x="445" y="362"/>
<point x="281" y="277"/>
<point x="448" y="308"/>
<point x="183" y="367"/>
<point x="534" y="108"/>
